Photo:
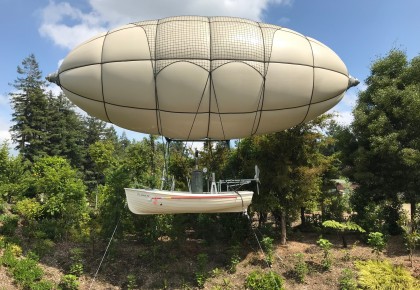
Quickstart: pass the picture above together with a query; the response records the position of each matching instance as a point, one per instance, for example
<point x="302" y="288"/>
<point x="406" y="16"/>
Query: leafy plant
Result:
<point x="68" y="282"/>
<point x="326" y="247"/>
<point x="76" y="268"/>
<point x="377" y="241"/>
<point x="201" y="274"/>
<point x="301" y="268"/>
<point x="234" y="258"/>
<point x="343" y="228"/>
<point x="384" y="275"/>
<point x="42" y="285"/>
<point x="131" y="282"/>
<point x="26" y="272"/>
<point x="264" y="281"/>
<point x="411" y="234"/>
<point x="10" y="223"/>
<point x="8" y="259"/>
<point x="347" y="280"/>
<point x="267" y="244"/>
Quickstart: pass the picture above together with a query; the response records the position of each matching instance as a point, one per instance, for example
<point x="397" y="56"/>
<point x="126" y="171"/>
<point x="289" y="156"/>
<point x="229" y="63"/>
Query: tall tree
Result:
<point x="386" y="126"/>
<point x="29" y="105"/>
<point x="65" y="130"/>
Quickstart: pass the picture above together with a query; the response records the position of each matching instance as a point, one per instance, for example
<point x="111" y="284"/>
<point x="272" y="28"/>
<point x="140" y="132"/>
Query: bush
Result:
<point x="347" y="280"/>
<point x="42" y="285"/>
<point x="267" y="244"/>
<point x="43" y="246"/>
<point x="384" y="275"/>
<point x="29" y="208"/>
<point x="68" y="282"/>
<point x="10" y="223"/>
<point x="76" y="268"/>
<point x="377" y="242"/>
<point x="326" y="247"/>
<point x="234" y="258"/>
<point x="131" y="282"/>
<point x="301" y="268"/>
<point x="26" y="272"/>
<point x="201" y="274"/>
<point x="264" y="281"/>
<point x="8" y="259"/>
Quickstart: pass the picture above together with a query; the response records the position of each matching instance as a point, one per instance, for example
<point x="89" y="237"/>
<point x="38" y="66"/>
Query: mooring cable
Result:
<point x="106" y="251"/>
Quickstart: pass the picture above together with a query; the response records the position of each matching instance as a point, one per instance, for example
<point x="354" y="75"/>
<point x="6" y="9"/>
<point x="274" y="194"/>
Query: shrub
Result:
<point x="201" y="274"/>
<point x="15" y="249"/>
<point x="43" y="246"/>
<point x="29" y="208"/>
<point x="326" y="247"/>
<point x="264" y="281"/>
<point x="384" y="275"/>
<point x="26" y="272"/>
<point x="234" y="258"/>
<point x="377" y="242"/>
<point x="131" y="282"/>
<point x="8" y="259"/>
<point x="301" y="268"/>
<point x="347" y="280"/>
<point x="68" y="282"/>
<point x="76" y="268"/>
<point x="42" y="285"/>
<point x="267" y="244"/>
<point x="10" y="223"/>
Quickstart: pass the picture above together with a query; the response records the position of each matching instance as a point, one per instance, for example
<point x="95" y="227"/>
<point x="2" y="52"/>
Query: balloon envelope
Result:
<point x="193" y="78"/>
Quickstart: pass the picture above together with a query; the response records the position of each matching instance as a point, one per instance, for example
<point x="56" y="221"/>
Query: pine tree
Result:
<point x="65" y="131"/>
<point x="29" y="104"/>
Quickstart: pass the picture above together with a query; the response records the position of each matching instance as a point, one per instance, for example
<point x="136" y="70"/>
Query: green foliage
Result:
<point x="8" y="259"/>
<point x="42" y="285"/>
<point x="343" y="228"/>
<point x="201" y="273"/>
<point x="347" y="280"/>
<point x="26" y="272"/>
<point x="326" y="247"/>
<point x="234" y="258"/>
<point x="347" y="226"/>
<point x="301" y="268"/>
<point x="29" y="208"/>
<point x="384" y="275"/>
<point x="264" y="281"/>
<point x="9" y="224"/>
<point x="267" y="245"/>
<point x="377" y="241"/>
<point x="29" y="105"/>
<point x="43" y="246"/>
<point x="131" y="282"/>
<point x="411" y="231"/>
<point x="386" y="117"/>
<point x="68" y="282"/>
<point x="76" y="256"/>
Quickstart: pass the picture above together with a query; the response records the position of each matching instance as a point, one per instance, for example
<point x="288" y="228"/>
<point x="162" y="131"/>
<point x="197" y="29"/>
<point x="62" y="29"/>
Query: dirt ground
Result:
<point x="168" y="265"/>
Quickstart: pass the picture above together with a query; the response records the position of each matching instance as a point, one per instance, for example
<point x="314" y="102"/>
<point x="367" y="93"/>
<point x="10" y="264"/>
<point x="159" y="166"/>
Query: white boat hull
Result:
<point x="153" y="201"/>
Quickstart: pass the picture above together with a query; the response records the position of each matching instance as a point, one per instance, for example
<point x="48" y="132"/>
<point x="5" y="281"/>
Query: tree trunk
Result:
<point x="283" y="236"/>
<point x="302" y="216"/>
<point x="413" y="214"/>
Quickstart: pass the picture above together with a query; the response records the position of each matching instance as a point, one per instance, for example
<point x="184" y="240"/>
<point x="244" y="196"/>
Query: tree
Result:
<point x="293" y="166"/>
<point x="29" y="116"/>
<point x="12" y="174"/>
<point x="65" y="130"/>
<point x="386" y="126"/>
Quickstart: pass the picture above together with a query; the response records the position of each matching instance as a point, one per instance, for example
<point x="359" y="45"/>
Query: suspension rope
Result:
<point x="106" y="251"/>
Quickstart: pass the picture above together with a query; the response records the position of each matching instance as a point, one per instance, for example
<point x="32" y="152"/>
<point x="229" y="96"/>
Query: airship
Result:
<point x="196" y="78"/>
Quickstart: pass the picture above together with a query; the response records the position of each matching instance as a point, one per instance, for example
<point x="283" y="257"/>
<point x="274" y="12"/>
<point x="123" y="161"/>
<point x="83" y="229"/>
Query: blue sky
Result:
<point x="359" y="31"/>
